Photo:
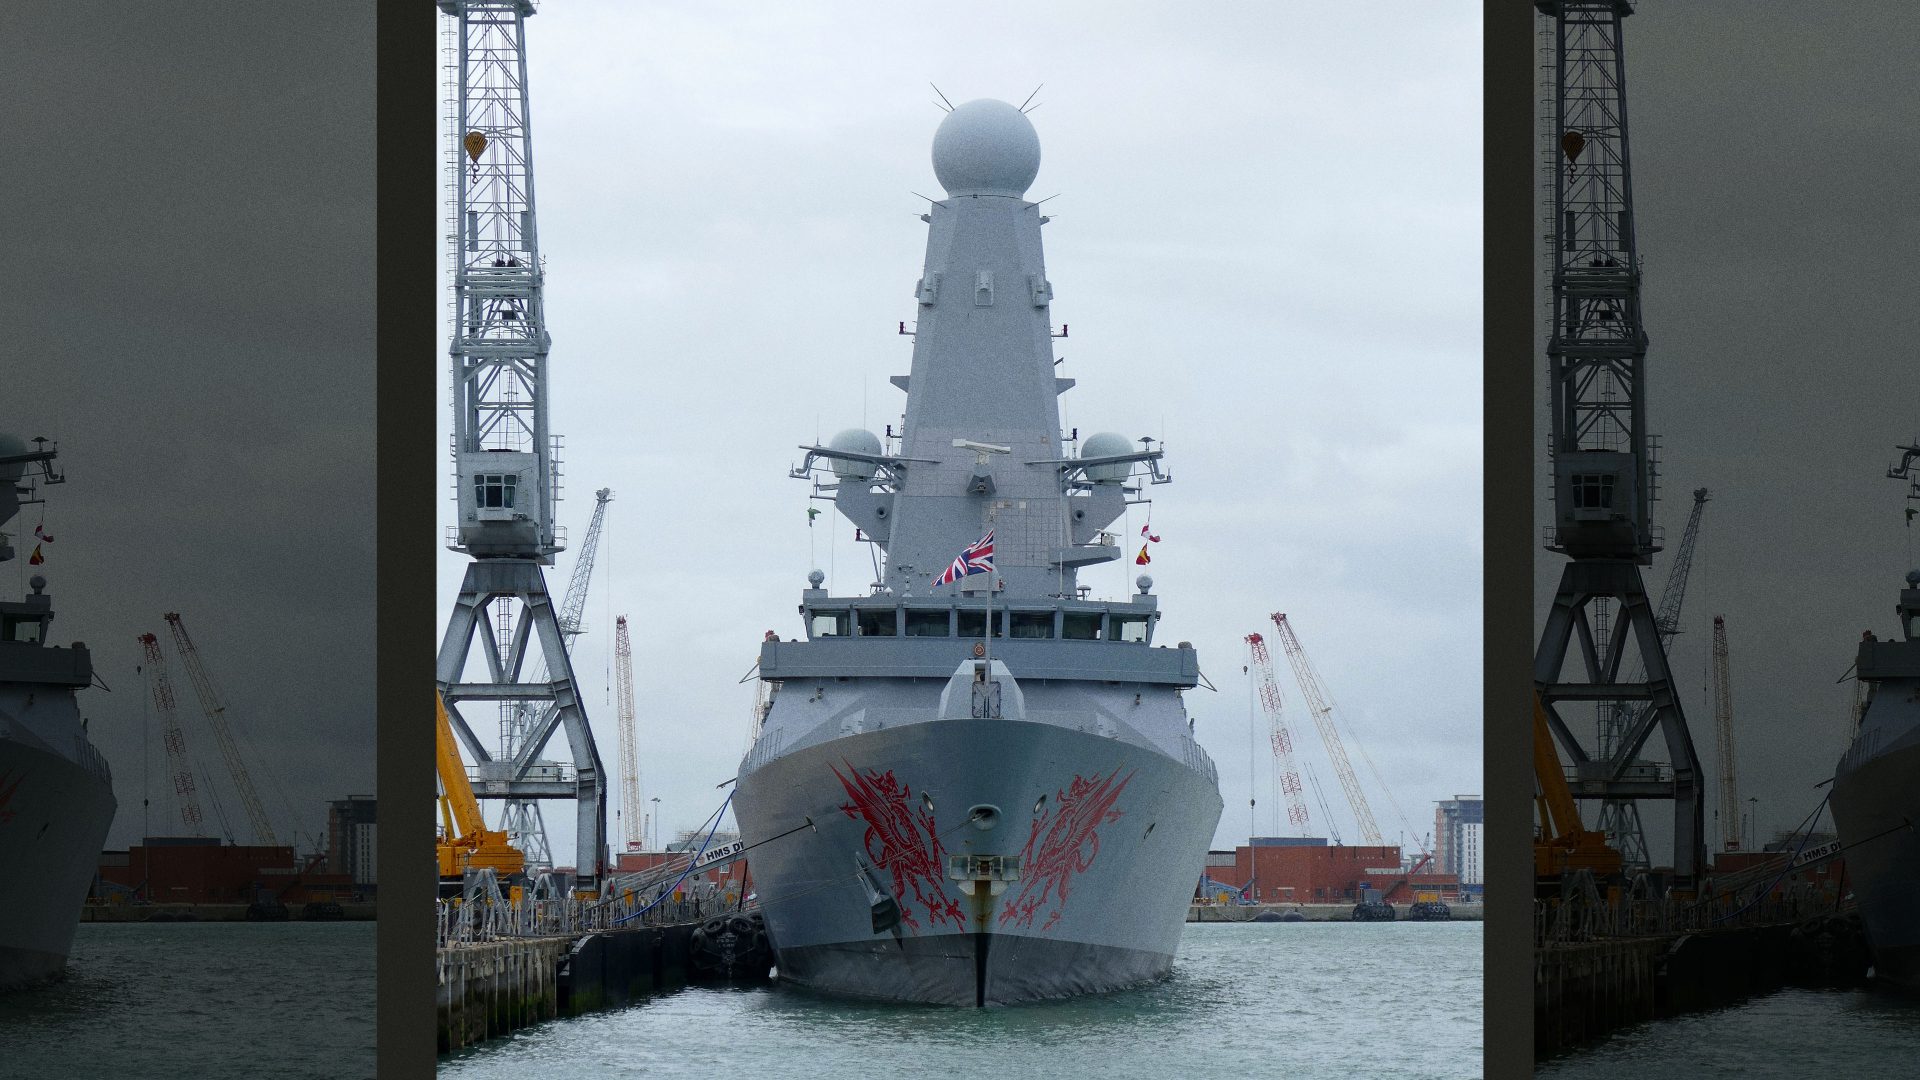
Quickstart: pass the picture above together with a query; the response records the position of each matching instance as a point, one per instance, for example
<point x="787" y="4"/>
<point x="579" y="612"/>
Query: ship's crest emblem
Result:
<point x="1063" y="843"/>
<point x="902" y="842"/>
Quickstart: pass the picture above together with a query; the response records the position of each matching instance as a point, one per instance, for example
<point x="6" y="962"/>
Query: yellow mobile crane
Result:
<point x="465" y="842"/>
<point x="1562" y="843"/>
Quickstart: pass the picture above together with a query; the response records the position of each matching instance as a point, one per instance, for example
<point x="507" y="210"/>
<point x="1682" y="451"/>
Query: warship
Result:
<point x="1876" y="797"/>
<point x="56" y="792"/>
<point x="973" y="785"/>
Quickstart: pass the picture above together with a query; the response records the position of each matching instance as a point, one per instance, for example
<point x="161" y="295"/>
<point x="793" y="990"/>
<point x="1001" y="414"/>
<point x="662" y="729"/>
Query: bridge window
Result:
<point x="1031" y="624"/>
<point x="1129" y="628"/>
<point x="927" y="623"/>
<point x="494" y="491"/>
<point x="1080" y="625"/>
<point x="828" y="624"/>
<point x="974" y="624"/>
<point x="1593" y="491"/>
<point x="27" y="630"/>
<point x="882" y="623"/>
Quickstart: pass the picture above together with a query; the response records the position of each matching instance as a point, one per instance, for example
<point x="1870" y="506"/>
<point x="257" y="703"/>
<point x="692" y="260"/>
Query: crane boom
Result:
<point x="216" y="710"/>
<point x="1322" y="710"/>
<point x="631" y="814"/>
<point x="1287" y="777"/>
<point x="173" y="737"/>
<point x="1723" y="729"/>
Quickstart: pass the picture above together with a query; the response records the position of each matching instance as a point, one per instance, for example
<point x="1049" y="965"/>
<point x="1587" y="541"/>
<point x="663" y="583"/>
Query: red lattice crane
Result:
<point x="216" y="710"/>
<point x="1322" y="711"/>
<point x="1285" y="775"/>
<point x="175" y="739"/>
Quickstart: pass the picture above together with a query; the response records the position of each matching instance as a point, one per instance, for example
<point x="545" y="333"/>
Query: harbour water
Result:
<point x="1304" y="1000"/>
<point x="1790" y="1033"/>
<point x="205" y="1001"/>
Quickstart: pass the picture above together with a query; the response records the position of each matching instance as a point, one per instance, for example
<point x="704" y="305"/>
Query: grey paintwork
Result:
<point x="1076" y="738"/>
<point x="1875" y="804"/>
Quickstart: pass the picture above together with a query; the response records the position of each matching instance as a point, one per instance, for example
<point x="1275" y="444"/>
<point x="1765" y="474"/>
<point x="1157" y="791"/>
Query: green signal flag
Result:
<point x="814" y="512"/>
<point x="1910" y="513"/>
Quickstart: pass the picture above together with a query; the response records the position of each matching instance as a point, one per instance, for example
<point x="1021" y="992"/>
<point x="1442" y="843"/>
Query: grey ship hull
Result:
<point x="1876" y="806"/>
<point x="54" y="816"/>
<point x="1108" y="861"/>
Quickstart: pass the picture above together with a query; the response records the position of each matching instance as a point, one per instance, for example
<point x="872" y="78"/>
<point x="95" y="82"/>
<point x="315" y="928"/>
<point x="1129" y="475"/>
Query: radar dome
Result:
<point x="858" y="441"/>
<point x="986" y="147"/>
<point x="11" y="446"/>
<point x="1107" y="444"/>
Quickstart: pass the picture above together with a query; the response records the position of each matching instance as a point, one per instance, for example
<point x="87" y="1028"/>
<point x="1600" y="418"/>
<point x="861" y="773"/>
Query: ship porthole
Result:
<point x="1040" y="805"/>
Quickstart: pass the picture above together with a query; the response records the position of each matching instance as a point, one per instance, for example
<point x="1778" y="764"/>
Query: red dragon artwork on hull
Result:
<point x="900" y="840"/>
<point x="6" y="793"/>
<point x="1064" y="842"/>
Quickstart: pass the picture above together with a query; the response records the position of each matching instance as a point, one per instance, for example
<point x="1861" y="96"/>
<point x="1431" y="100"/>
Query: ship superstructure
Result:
<point x="56" y="792"/>
<point x="1875" y="805"/>
<point x="999" y="815"/>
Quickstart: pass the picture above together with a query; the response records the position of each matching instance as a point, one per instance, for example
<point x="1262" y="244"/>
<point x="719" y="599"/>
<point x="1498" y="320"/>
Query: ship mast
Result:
<point x="506" y="467"/>
<point x="1603" y="474"/>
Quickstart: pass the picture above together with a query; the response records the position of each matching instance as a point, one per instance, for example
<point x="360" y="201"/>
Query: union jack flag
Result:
<point x="976" y="559"/>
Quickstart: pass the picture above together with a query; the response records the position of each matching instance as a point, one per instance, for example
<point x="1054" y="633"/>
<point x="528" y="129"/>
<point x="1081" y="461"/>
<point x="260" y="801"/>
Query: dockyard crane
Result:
<point x="1286" y="778"/>
<point x="1561" y="843"/>
<point x="174" y="739"/>
<point x="1620" y="818"/>
<point x="631" y="816"/>
<point x="1723" y="729"/>
<point x="465" y="842"/>
<point x="1320" y="706"/>
<point x="215" y="709"/>
<point x="1603" y="469"/>
<point x="506" y="464"/>
<point x="525" y="827"/>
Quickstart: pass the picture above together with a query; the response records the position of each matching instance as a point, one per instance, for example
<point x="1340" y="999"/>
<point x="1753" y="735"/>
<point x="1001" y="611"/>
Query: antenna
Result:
<point x="943" y="97"/>
<point x="1023" y="105"/>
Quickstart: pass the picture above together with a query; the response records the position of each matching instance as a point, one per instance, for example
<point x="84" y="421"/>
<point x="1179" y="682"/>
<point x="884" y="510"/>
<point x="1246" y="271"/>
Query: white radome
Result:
<point x="986" y="147"/>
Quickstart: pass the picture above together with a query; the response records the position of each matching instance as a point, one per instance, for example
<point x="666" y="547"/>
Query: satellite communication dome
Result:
<point x="1107" y="444"/>
<point x="986" y="147"/>
<point x="11" y="446"/>
<point x="858" y="441"/>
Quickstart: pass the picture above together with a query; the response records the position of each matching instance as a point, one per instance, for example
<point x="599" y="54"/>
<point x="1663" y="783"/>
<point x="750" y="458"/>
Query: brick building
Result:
<point x="1308" y="870"/>
<point x="202" y="870"/>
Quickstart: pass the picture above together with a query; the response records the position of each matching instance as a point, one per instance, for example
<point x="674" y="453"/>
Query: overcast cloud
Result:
<point x="188" y="292"/>
<point x="1266" y="244"/>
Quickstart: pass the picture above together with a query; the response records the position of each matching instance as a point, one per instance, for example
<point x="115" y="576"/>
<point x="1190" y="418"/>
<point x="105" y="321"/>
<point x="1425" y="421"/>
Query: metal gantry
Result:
<point x="1603" y="472"/>
<point x="1620" y="818"/>
<point x="521" y="819"/>
<point x="506" y="466"/>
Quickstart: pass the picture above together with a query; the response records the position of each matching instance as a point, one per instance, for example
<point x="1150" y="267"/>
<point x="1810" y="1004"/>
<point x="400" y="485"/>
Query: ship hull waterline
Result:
<point x="54" y="816"/>
<point x="1111" y="837"/>
<point x="1876" y="808"/>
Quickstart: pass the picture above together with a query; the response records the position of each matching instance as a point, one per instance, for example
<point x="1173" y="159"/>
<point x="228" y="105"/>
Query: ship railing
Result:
<point x="1198" y="759"/>
<point x="90" y="759"/>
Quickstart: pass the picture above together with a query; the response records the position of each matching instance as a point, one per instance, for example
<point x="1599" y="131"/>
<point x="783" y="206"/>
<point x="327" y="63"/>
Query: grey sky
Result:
<point x="189" y="299"/>
<point x="1771" y="171"/>
<point x="1267" y="247"/>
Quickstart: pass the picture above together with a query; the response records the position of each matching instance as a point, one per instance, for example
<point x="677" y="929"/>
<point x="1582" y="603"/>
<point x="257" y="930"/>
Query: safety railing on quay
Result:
<point x="463" y="921"/>
<point x="1577" y="919"/>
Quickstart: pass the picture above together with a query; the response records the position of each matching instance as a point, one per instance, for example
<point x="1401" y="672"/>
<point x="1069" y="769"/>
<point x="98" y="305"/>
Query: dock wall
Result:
<point x="1583" y="991"/>
<point x="488" y="989"/>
